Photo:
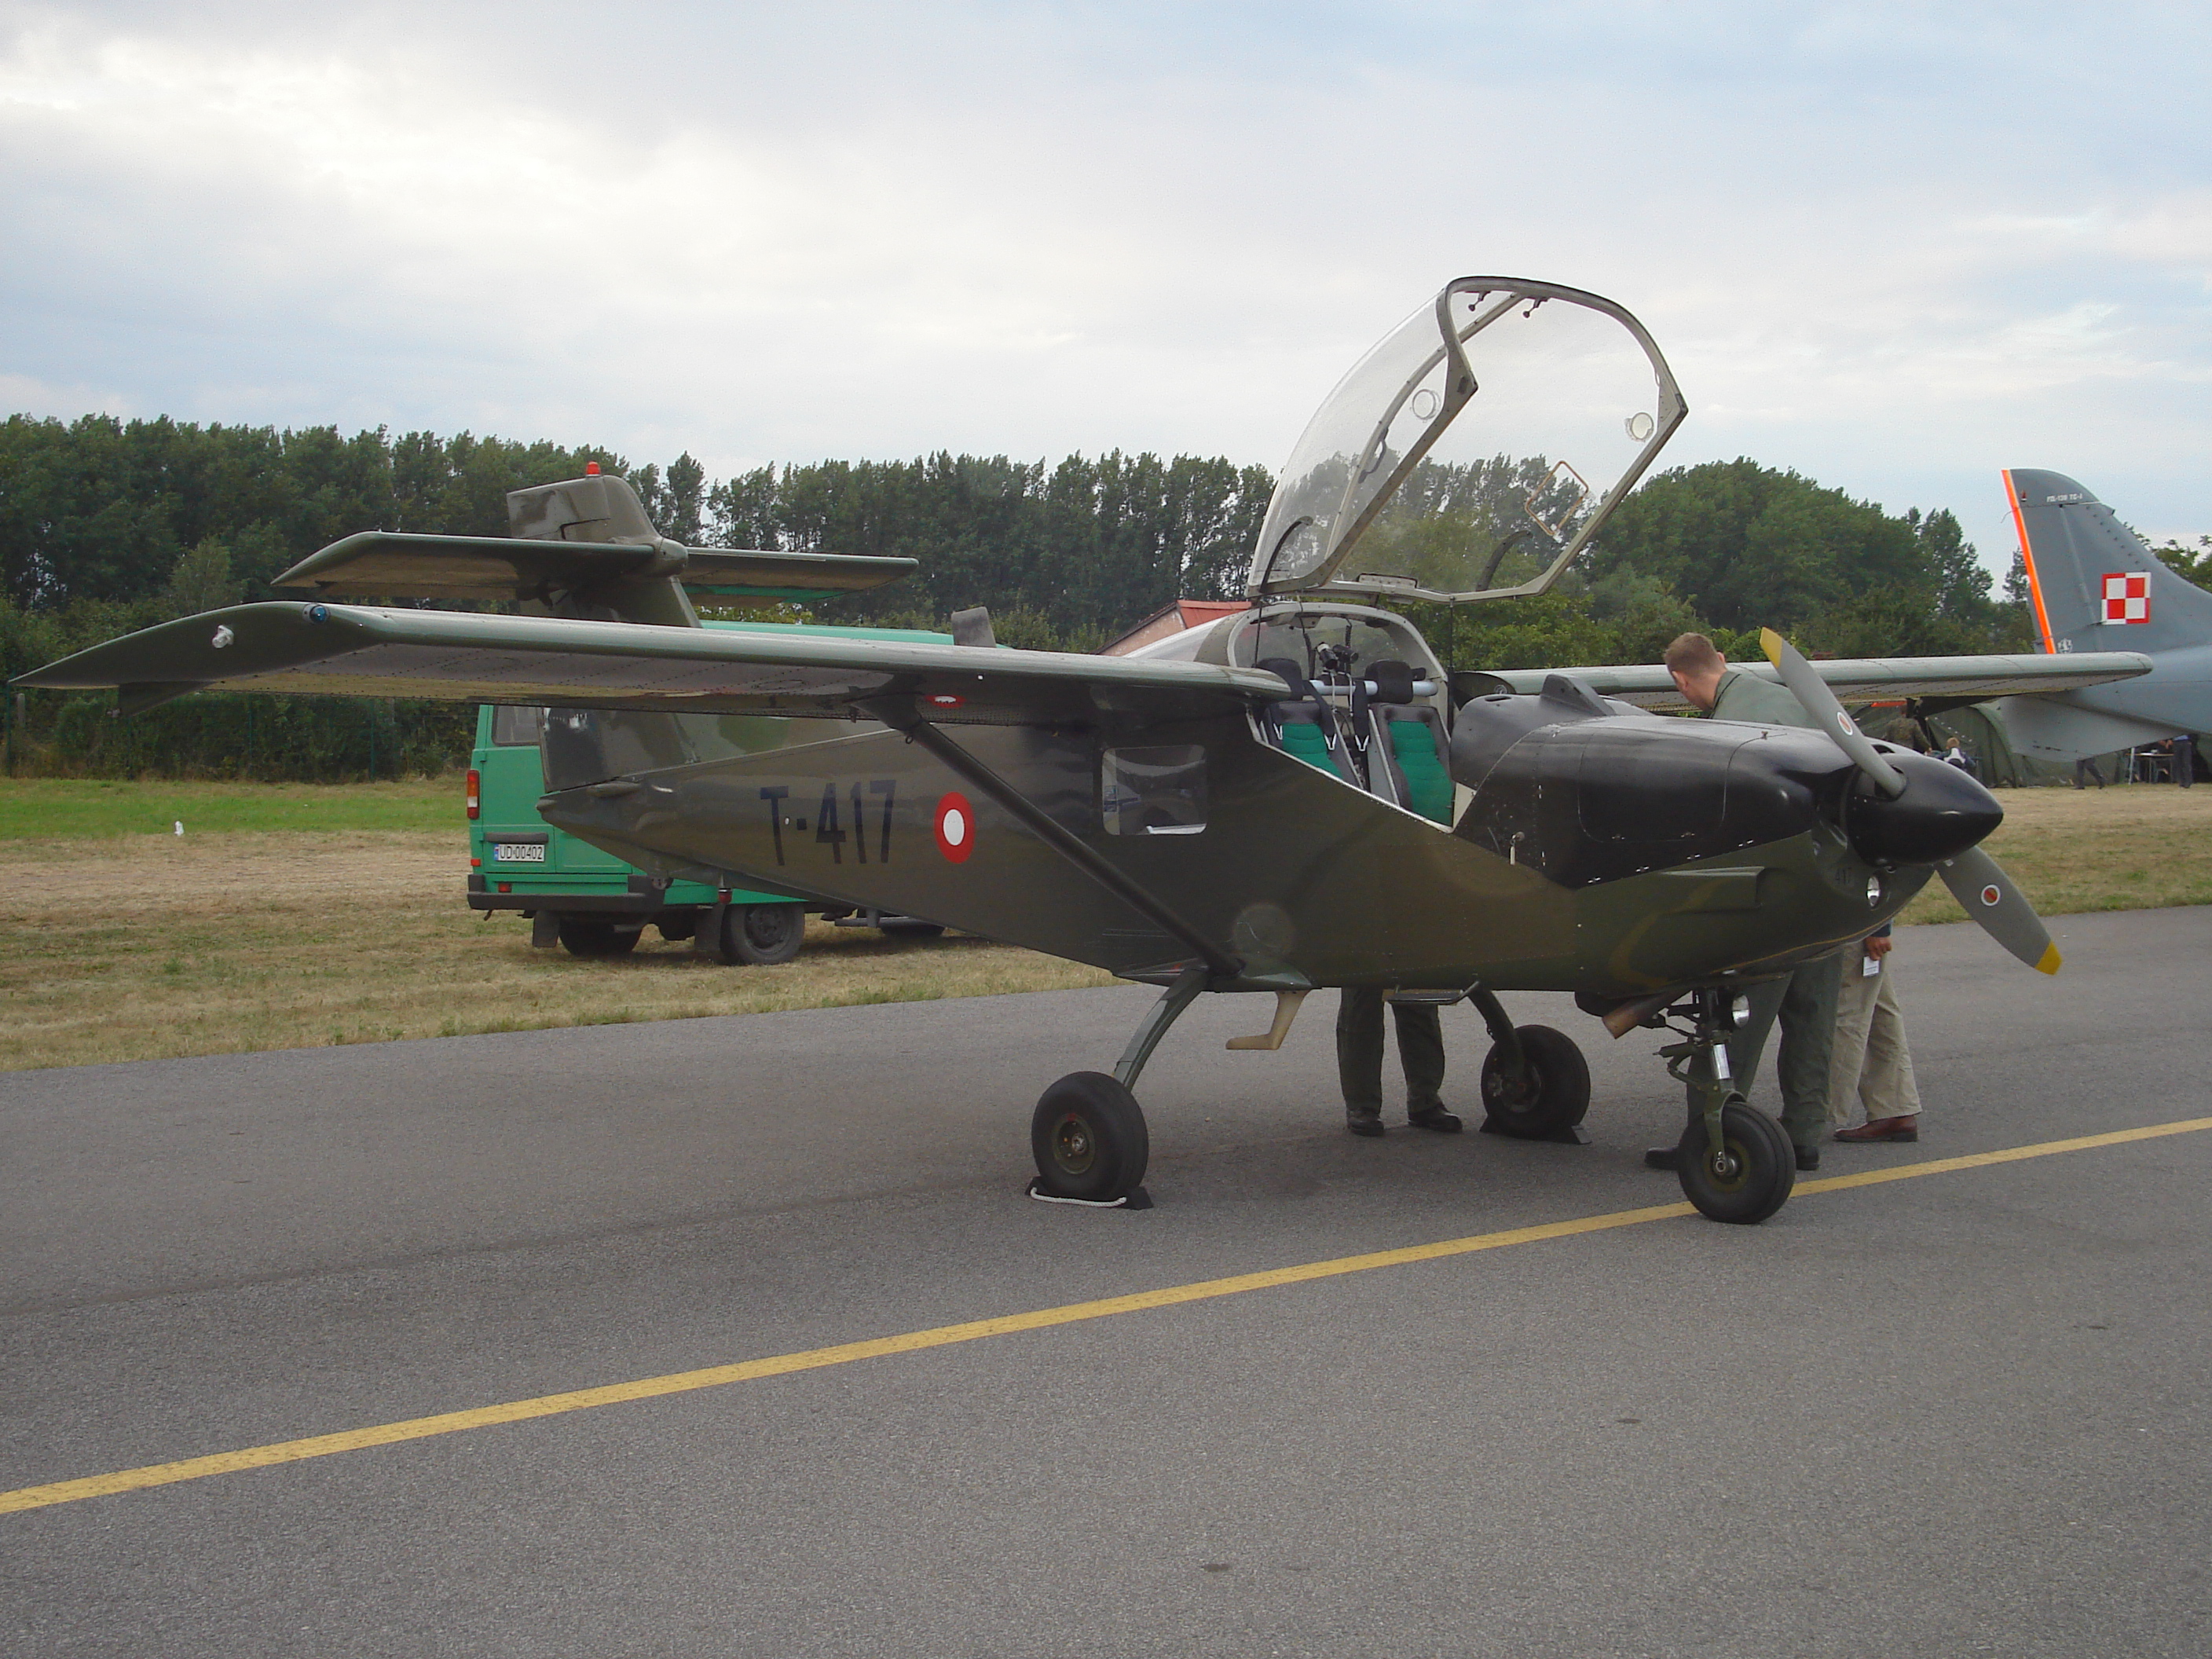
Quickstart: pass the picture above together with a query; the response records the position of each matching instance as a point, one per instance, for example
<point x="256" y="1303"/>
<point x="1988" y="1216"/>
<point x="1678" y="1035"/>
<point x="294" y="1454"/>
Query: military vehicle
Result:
<point x="591" y="903"/>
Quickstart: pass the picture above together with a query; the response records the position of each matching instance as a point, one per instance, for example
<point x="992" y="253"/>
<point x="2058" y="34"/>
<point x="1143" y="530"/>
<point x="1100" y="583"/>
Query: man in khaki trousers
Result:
<point x="1870" y="1068"/>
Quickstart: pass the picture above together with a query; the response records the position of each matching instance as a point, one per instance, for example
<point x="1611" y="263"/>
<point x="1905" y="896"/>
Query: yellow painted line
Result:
<point x="883" y="1347"/>
<point x="1983" y="1160"/>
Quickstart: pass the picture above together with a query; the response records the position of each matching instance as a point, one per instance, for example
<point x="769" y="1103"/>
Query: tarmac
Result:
<point x="1961" y="1412"/>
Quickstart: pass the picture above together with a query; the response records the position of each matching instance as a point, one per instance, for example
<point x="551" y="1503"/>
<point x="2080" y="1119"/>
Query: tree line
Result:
<point x="107" y="525"/>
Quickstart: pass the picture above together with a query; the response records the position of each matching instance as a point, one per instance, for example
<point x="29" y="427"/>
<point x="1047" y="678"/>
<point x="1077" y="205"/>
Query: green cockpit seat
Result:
<point x="1303" y="725"/>
<point x="1410" y="739"/>
<point x="1417" y="754"/>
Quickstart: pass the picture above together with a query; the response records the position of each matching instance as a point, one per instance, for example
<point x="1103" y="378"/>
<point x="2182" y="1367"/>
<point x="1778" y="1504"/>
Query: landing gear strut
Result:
<point x="1088" y="1132"/>
<point x="1735" y="1163"/>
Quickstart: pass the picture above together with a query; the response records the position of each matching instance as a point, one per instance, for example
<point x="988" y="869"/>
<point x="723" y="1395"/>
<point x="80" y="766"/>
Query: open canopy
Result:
<point x="1474" y="451"/>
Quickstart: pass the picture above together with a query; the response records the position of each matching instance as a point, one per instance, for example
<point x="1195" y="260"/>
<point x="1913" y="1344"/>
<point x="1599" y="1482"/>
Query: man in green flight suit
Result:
<point x="1805" y="1001"/>
<point x="1359" y="1061"/>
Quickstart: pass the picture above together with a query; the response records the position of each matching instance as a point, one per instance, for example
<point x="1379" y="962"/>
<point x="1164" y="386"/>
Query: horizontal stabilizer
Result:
<point x="356" y="651"/>
<point x="1955" y="680"/>
<point x="387" y="564"/>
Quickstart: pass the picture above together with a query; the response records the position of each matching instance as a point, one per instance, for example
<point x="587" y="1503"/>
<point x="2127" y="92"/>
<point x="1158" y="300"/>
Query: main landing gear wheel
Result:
<point x="1754" y="1178"/>
<point x="763" y="935"/>
<point x="1549" y="1098"/>
<point x="1089" y="1138"/>
<point x="595" y="936"/>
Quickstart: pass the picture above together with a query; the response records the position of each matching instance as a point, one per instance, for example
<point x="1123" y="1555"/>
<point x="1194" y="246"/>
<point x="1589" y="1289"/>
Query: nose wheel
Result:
<point x="1735" y="1163"/>
<point x="1745" y="1179"/>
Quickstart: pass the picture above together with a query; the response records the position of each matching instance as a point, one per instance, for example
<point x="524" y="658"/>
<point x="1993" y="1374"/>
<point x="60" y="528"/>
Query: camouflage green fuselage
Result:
<point x="1303" y="878"/>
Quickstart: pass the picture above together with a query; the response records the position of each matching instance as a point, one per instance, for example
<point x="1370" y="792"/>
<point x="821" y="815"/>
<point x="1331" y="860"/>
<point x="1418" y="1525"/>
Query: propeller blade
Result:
<point x="1989" y="896"/>
<point x="1813" y="696"/>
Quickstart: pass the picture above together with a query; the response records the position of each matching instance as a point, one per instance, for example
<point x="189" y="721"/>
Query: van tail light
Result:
<point x="476" y="794"/>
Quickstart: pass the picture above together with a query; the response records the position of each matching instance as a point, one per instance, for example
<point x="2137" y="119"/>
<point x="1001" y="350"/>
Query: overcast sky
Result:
<point x="1895" y="247"/>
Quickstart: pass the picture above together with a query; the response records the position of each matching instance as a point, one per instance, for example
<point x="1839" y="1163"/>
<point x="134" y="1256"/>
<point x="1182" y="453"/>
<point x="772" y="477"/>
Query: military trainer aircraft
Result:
<point x="1293" y="797"/>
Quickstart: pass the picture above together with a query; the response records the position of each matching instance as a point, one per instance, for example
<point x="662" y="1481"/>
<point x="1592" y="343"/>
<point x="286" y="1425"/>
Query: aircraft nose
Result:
<point x="1942" y="813"/>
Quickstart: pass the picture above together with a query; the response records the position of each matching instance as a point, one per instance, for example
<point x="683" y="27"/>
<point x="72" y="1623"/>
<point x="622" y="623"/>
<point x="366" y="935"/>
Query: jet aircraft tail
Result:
<point x="2093" y="584"/>
<point x="2094" y="587"/>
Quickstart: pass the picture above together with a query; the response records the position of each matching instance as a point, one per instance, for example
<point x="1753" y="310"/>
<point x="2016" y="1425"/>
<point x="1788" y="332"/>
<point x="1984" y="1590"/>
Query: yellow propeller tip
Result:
<point x="1770" y="642"/>
<point x="2048" y="963"/>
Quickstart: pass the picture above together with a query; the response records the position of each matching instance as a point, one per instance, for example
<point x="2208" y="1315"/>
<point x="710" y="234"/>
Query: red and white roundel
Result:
<point x="1989" y="894"/>
<point x="955" y="826"/>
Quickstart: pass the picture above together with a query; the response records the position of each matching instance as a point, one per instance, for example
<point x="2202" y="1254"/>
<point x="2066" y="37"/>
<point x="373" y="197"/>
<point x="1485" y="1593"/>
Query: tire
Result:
<point x="1767" y="1166"/>
<point x="908" y="928"/>
<point x="1089" y="1138"/>
<point x="1555" y="1095"/>
<point x="595" y="936"/>
<point x="763" y="935"/>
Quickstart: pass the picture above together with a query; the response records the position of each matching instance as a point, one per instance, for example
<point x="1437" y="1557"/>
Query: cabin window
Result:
<point x="587" y="745"/>
<point x="517" y="728"/>
<point x="1155" y="791"/>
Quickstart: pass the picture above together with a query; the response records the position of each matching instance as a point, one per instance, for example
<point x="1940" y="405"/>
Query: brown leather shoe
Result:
<point x="1884" y="1128"/>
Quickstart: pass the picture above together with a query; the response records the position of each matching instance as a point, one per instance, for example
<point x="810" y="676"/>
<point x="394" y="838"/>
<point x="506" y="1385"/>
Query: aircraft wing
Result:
<point x="1955" y="680"/>
<point x="381" y="563"/>
<point x="359" y="650"/>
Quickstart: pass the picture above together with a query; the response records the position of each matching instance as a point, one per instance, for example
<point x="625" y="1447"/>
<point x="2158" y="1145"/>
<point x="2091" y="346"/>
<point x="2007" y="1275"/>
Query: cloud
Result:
<point x="1895" y="249"/>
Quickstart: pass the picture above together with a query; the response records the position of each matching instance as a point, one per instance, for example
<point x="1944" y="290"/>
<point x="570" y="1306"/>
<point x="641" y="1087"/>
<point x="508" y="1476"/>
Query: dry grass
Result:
<point x="139" y="947"/>
<point x="2134" y="847"/>
<point x="145" y="946"/>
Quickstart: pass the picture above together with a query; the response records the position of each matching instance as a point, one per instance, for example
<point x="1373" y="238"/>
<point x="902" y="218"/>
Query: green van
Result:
<point x="592" y="903"/>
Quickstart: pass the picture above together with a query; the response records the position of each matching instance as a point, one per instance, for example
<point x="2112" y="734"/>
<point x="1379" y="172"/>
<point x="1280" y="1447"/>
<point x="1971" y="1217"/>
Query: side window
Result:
<point x="1157" y="791"/>
<point x="587" y="745"/>
<point x="517" y="728"/>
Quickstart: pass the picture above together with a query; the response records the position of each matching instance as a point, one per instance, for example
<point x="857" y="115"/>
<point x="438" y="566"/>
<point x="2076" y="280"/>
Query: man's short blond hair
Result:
<point x="1695" y="655"/>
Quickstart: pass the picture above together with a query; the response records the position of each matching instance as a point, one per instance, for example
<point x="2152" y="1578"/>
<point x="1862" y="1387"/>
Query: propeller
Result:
<point x="1813" y="695"/>
<point x="1978" y="882"/>
<point x="1988" y="896"/>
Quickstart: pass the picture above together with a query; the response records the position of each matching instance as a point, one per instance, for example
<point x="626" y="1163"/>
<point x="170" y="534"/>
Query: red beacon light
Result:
<point x="591" y="469"/>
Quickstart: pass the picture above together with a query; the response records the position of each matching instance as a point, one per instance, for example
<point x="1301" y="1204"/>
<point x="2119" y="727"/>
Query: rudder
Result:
<point x="2075" y="549"/>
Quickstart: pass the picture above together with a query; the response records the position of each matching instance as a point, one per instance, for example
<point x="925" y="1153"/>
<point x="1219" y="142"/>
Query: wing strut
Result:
<point x="901" y="716"/>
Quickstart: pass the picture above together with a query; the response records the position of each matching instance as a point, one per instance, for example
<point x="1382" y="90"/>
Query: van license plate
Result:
<point x="518" y="852"/>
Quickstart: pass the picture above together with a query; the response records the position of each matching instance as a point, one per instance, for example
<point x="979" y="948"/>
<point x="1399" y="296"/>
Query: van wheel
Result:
<point x="763" y="934"/>
<point x="595" y="936"/>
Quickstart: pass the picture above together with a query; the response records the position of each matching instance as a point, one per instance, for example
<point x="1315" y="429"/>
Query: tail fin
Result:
<point x="2092" y="583"/>
<point x="597" y="507"/>
<point x="581" y="548"/>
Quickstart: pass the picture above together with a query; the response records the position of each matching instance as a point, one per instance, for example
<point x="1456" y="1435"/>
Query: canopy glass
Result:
<point x="1473" y="451"/>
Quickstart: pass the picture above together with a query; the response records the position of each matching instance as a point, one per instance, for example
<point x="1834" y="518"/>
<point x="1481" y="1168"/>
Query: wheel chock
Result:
<point x="1135" y="1199"/>
<point x="1571" y="1136"/>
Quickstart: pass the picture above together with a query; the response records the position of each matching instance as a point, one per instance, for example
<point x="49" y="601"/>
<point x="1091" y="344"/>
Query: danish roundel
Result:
<point x="955" y="826"/>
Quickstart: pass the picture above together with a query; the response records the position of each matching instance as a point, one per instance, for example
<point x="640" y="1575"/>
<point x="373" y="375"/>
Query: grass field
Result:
<point x="335" y="914"/>
<point x="2132" y="848"/>
<point x="45" y="808"/>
